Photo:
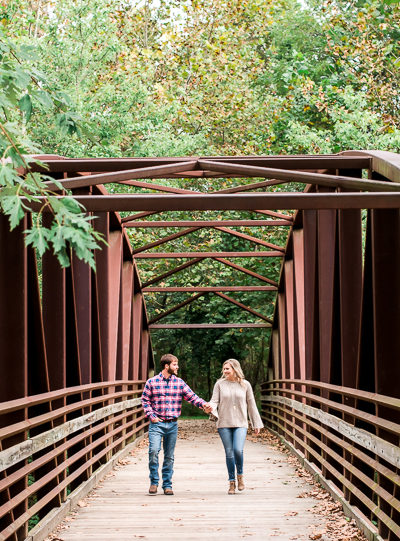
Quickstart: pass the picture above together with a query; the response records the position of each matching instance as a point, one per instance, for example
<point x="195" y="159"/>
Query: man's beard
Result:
<point x="171" y="371"/>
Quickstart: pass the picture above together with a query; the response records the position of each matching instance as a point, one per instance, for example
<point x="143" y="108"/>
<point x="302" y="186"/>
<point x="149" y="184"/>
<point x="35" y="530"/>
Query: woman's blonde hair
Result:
<point x="235" y="364"/>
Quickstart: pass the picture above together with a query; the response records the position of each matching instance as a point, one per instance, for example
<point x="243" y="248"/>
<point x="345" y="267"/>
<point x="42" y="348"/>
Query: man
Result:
<point x="162" y="401"/>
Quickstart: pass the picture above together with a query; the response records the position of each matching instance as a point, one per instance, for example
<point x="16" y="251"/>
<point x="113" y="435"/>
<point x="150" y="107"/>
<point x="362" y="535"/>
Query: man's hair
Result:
<point x="168" y="358"/>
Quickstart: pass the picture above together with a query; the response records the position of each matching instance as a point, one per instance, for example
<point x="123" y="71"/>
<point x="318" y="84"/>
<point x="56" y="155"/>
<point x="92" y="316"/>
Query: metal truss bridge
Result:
<point x="75" y="345"/>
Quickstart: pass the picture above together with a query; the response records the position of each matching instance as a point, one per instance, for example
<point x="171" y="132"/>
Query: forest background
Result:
<point x="98" y="78"/>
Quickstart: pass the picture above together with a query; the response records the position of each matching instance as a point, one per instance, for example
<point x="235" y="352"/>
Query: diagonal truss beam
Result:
<point x="198" y="295"/>
<point x="250" y="238"/>
<point x="276" y="215"/>
<point x="119" y="176"/>
<point x="165" y="239"/>
<point x="221" y="260"/>
<point x="218" y="228"/>
<point x="252" y="186"/>
<point x="199" y="174"/>
<point x="139" y="216"/>
<point x="246" y="271"/>
<point x="243" y="307"/>
<point x="175" y="308"/>
<point x="157" y="187"/>
<point x="301" y="176"/>
<point x="173" y="271"/>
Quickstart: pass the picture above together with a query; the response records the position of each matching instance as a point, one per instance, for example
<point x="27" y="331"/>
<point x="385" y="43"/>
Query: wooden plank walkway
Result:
<point x="276" y="503"/>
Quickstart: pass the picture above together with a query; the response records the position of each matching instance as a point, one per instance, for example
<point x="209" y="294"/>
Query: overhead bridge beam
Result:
<point x="210" y="326"/>
<point x="262" y="201"/>
<point x="209" y="223"/>
<point x="174" y="255"/>
<point x="56" y="164"/>
<point x="206" y="289"/>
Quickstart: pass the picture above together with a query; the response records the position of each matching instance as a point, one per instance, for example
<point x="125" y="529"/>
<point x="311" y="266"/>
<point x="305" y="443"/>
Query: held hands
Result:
<point x="156" y="420"/>
<point x="207" y="408"/>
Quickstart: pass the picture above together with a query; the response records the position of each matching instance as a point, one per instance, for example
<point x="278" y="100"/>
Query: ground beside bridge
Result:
<point x="280" y="501"/>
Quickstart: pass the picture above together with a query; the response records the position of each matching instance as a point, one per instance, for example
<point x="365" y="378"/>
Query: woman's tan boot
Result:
<point x="240" y="482"/>
<point x="231" y="487"/>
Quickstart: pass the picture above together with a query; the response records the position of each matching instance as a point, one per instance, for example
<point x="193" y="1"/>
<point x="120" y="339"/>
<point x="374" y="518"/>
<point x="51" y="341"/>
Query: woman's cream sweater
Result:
<point x="232" y="403"/>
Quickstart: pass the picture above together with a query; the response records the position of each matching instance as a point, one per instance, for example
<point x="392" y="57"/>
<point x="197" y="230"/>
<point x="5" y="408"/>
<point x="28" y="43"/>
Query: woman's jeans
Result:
<point x="233" y="440"/>
<point x="167" y="432"/>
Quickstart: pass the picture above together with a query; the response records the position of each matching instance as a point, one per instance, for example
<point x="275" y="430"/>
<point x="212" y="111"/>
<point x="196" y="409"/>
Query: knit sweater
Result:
<point x="232" y="403"/>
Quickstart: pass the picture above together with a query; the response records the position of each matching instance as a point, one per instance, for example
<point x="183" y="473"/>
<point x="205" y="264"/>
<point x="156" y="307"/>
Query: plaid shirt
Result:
<point x="162" y="397"/>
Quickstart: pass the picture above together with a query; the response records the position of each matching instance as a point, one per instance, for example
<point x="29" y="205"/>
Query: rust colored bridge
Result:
<point x="75" y="345"/>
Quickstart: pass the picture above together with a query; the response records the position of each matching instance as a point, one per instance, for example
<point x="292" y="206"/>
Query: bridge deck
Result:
<point x="276" y="503"/>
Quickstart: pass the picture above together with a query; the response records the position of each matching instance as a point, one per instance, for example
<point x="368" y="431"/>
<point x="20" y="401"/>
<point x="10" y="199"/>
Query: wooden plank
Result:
<point x="270" y="505"/>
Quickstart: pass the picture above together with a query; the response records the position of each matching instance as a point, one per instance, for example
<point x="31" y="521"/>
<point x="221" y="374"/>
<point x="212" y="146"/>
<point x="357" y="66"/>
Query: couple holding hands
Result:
<point x="232" y="403"/>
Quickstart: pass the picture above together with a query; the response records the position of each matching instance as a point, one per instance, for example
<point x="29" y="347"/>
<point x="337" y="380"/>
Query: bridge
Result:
<point x="76" y="347"/>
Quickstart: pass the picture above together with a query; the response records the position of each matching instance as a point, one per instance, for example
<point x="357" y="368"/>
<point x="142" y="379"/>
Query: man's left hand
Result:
<point x="256" y="431"/>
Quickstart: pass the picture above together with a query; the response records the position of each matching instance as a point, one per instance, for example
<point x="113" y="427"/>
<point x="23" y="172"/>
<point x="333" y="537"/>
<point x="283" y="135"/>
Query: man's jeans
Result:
<point x="233" y="440"/>
<point x="167" y="432"/>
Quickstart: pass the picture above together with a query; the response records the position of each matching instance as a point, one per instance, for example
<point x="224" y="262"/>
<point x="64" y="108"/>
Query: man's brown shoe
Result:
<point x="168" y="492"/>
<point x="232" y="486"/>
<point x="153" y="490"/>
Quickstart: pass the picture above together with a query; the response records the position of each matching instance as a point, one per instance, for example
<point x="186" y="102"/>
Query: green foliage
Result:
<point x="23" y="90"/>
<point x="320" y="98"/>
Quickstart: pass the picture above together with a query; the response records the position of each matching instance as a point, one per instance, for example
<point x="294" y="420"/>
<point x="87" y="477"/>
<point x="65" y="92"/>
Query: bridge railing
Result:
<point x="348" y="438"/>
<point x="53" y="444"/>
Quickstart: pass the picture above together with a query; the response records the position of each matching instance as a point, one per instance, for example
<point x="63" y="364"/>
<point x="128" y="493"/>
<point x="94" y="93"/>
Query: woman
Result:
<point x="232" y="401"/>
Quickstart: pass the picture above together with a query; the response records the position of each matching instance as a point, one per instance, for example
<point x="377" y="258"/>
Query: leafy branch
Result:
<point x="22" y="88"/>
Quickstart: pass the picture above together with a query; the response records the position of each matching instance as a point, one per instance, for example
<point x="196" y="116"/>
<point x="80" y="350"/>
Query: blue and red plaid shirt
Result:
<point x="162" y="397"/>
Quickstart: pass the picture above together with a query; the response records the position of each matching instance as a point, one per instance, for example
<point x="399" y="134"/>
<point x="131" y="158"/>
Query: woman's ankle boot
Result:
<point x="231" y="487"/>
<point x="240" y="482"/>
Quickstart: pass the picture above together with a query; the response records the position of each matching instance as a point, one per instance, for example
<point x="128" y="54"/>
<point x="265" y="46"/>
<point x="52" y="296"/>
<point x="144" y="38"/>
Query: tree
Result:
<point x="320" y="102"/>
<point x="364" y="40"/>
